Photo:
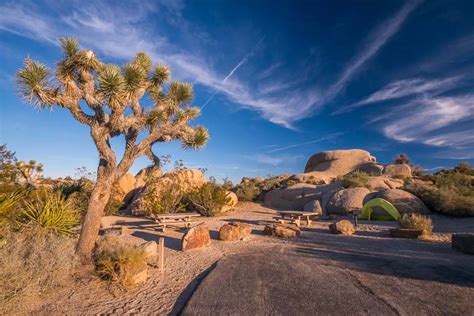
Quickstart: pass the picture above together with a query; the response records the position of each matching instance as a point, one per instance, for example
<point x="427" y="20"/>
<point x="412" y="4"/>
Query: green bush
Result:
<point x="169" y="201"/>
<point x="9" y="204"/>
<point x="209" y="199"/>
<point x="51" y="212"/>
<point x="33" y="261"/>
<point x="247" y="191"/>
<point x="449" y="192"/>
<point x="354" y="179"/>
<point x="415" y="221"/>
<point x="121" y="265"/>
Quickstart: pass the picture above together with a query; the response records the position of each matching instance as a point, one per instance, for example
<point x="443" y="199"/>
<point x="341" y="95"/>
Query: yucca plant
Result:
<point x="113" y="94"/>
<point x="51" y="212"/>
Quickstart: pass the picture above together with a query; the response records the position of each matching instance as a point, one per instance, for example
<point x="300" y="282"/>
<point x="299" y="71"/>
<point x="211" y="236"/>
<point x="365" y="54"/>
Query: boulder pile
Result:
<point x="322" y="181"/>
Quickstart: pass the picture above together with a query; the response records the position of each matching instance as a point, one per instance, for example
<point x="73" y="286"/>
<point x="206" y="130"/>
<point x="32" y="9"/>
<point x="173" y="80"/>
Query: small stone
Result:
<point x="281" y="230"/>
<point x="343" y="227"/>
<point x="151" y="251"/>
<point x="196" y="237"/>
<point x="234" y="231"/>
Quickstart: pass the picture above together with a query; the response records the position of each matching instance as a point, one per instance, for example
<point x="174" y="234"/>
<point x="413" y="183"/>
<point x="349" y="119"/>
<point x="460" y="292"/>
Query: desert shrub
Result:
<point x="113" y="206"/>
<point x="32" y="261"/>
<point x="79" y="201"/>
<point x="9" y="204"/>
<point x="169" y="201"/>
<point x="50" y="211"/>
<point x="449" y="192"/>
<point x="247" y="191"/>
<point x="446" y="201"/>
<point x="121" y="265"/>
<point x="354" y="179"/>
<point x="66" y="189"/>
<point x="208" y="200"/>
<point x="401" y="159"/>
<point x="415" y="221"/>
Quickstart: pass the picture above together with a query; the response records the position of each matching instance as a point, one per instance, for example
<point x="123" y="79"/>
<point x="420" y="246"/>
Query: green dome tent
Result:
<point x="367" y="210"/>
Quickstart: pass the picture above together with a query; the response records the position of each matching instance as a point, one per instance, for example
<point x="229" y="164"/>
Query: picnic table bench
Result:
<point x="175" y="219"/>
<point x="295" y="217"/>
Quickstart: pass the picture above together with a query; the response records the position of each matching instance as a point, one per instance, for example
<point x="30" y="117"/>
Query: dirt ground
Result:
<point x="370" y="257"/>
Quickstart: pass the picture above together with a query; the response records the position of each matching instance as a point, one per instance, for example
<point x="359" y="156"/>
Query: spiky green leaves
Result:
<point x="111" y="84"/>
<point x="32" y="80"/>
<point x="143" y="61"/>
<point x="160" y="75"/>
<point x="181" y="92"/>
<point x="134" y="76"/>
<point x="197" y="139"/>
<point x="69" y="45"/>
<point x="188" y="114"/>
<point x="155" y="117"/>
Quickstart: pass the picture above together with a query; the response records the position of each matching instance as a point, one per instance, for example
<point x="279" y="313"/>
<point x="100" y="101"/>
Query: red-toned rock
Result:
<point x="281" y="230"/>
<point x="196" y="237"/>
<point x="234" y="231"/>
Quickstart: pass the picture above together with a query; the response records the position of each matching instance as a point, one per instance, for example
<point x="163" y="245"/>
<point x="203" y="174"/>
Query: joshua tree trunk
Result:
<point x="90" y="228"/>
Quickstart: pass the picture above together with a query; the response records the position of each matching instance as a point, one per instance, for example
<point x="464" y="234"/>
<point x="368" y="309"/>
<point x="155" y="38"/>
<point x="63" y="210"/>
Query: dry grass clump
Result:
<point x="415" y="221"/>
<point x="121" y="265"/>
<point x="32" y="261"/>
<point x="354" y="179"/>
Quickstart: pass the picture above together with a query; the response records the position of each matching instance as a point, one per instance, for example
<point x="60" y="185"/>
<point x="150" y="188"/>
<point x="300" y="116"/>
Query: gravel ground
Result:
<point x="366" y="273"/>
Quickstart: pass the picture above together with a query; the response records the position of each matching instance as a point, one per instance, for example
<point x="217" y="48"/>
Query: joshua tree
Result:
<point x="106" y="98"/>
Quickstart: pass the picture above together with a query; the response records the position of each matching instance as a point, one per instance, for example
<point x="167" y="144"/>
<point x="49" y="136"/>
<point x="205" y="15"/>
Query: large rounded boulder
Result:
<point x="404" y="201"/>
<point x="346" y="200"/>
<point x="328" y="165"/>
<point x="178" y="181"/>
<point x="297" y="196"/>
<point x="397" y="171"/>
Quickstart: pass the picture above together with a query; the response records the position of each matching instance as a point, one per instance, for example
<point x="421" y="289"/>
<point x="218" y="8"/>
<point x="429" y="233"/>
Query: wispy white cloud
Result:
<point x="404" y="88"/>
<point x="444" y="122"/>
<point x="112" y="31"/>
<point x="377" y="39"/>
<point x="116" y="33"/>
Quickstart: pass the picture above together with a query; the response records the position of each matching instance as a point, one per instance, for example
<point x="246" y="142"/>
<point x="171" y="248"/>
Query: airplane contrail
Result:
<point x="304" y="144"/>
<point x="243" y="61"/>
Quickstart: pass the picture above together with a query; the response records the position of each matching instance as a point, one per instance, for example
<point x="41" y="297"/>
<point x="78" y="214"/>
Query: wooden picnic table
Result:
<point x="175" y="219"/>
<point x="295" y="217"/>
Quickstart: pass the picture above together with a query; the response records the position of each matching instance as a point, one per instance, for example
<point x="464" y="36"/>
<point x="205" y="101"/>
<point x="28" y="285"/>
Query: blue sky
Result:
<point x="278" y="80"/>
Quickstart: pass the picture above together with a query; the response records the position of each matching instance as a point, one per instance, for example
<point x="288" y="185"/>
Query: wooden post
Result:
<point x="161" y="254"/>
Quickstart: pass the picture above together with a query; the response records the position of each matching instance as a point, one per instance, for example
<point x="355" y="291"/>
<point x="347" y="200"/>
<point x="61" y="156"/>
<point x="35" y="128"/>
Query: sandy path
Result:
<point x="167" y="293"/>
